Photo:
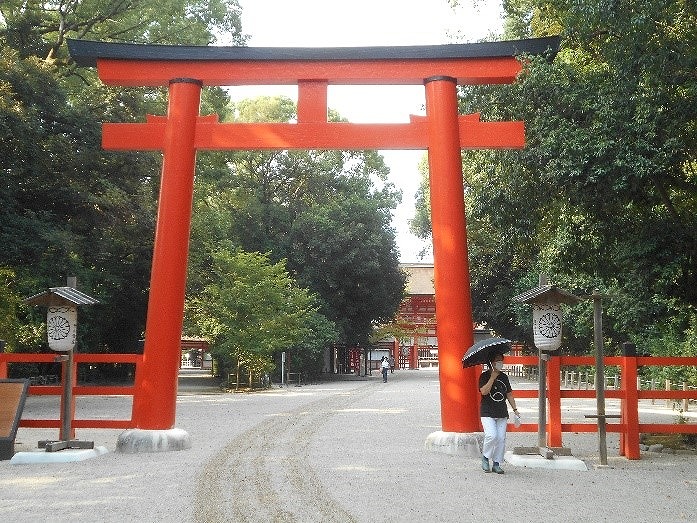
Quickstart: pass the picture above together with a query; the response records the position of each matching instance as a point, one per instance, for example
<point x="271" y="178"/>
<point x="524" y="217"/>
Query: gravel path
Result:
<point x="336" y="452"/>
<point x="270" y="467"/>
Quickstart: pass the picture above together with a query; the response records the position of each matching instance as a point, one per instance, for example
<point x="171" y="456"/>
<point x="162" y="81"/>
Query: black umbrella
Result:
<point x="484" y="351"/>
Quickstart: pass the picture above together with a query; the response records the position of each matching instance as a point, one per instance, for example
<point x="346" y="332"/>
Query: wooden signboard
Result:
<point x="13" y="393"/>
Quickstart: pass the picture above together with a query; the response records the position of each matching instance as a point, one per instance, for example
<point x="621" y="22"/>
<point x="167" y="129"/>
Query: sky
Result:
<point x="350" y="23"/>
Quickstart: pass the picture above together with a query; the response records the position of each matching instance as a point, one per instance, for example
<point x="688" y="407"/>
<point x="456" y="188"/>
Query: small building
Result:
<point x="417" y="319"/>
<point x="195" y="353"/>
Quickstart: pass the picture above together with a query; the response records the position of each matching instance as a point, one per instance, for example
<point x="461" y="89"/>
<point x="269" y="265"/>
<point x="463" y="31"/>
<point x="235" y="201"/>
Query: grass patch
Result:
<point x="672" y="441"/>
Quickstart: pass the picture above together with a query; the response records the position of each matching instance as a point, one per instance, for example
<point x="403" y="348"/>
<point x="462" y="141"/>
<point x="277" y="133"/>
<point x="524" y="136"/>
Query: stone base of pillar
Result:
<point x="460" y="443"/>
<point x="135" y="441"/>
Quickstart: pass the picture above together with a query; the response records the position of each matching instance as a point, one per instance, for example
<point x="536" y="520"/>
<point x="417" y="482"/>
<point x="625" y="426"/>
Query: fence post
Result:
<point x="668" y="387"/>
<point x="69" y="409"/>
<point x="653" y="387"/>
<point x="629" y="438"/>
<point x="554" y="436"/>
<point x="3" y="370"/>
<point x="685" y="401"/>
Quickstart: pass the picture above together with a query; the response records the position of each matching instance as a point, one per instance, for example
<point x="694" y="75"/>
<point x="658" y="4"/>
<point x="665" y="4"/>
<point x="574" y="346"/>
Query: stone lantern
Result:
<point x="547" y="316"/>
<point x="61" y="331"/>
<point x="546" y="303"/>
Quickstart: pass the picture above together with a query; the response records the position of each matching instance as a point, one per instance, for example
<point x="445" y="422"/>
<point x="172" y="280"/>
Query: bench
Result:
<point x="13" y="394"/>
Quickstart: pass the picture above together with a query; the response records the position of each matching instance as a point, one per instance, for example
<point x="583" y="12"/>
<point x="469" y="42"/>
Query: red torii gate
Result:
<point x="443" y="132"/>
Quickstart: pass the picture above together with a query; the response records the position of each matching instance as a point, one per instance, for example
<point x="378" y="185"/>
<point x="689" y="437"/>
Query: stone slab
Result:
<point x="539" y="462"/>
<point x="61" y="456"/>
<point x="455" y="443"/>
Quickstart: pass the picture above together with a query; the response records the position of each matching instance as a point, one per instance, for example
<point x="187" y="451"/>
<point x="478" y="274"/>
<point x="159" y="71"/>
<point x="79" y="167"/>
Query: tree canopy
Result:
<point x="69" y="208"/>
<point x="251" y="308"/>
<point x="604" y="194"/>
<point x="318" y="210"/>
<point x="41" y="28"/>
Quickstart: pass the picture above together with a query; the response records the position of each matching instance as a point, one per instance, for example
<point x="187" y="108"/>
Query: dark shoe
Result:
<point x="485" y="464"/>
<point x="497" y="468"/>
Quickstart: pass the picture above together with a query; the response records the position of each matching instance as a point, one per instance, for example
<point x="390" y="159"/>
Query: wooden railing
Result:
<point x="78" y="390"/>
<point x="628" y="393"/>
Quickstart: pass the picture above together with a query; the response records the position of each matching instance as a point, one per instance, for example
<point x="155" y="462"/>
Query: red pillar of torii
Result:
<point x="180" y="134"/>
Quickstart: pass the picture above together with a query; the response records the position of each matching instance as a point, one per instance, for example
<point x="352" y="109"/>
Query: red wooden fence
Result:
<point x="629" y="395"/>
<point x="78" y="390"/>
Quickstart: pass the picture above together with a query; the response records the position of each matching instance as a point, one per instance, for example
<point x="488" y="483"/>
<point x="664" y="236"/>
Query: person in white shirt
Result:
<point x="384" y="367"/>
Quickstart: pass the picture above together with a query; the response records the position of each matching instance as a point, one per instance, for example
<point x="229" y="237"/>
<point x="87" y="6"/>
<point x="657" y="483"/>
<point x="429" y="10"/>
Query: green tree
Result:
<point x="319" y="210"/>
<point x="344" y="252"/>
<point x="17" y="335"/>
<point x="249" y="309"/>
<point x="41" y="28"/>
<point x="66" y="206"/>
<point x="604" y="194"/>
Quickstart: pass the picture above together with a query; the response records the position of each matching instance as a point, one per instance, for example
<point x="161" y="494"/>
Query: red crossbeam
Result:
<point x="211" y="135"/>
<point x="470" y="71"/>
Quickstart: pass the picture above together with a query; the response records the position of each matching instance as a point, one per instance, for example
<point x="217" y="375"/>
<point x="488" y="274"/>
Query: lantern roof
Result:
<point x="61" y="296"/>
<point x="547" y="294"/>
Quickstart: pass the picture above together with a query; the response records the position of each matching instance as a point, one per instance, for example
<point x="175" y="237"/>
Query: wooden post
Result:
<point x="629" y="439"/>
<point x="154" y="403"/>
<point x="542" y="398"/>
<point x="554" y="436"/>
<point x="600" y="374"/>
<point x="3" y="364"/>
<point x="67" y="407"/>
<point x="458" y="388"/>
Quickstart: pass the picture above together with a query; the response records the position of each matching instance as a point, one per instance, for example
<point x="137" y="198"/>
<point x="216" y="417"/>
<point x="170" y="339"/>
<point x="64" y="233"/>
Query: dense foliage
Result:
<point x="251" y="308"/>
<point x="318" y="212"/>
<point x="69" y="208"/>
<point x="605" y="193"/>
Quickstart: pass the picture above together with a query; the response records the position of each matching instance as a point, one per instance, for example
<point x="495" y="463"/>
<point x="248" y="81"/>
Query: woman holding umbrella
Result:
<point x="495" y="389"/>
